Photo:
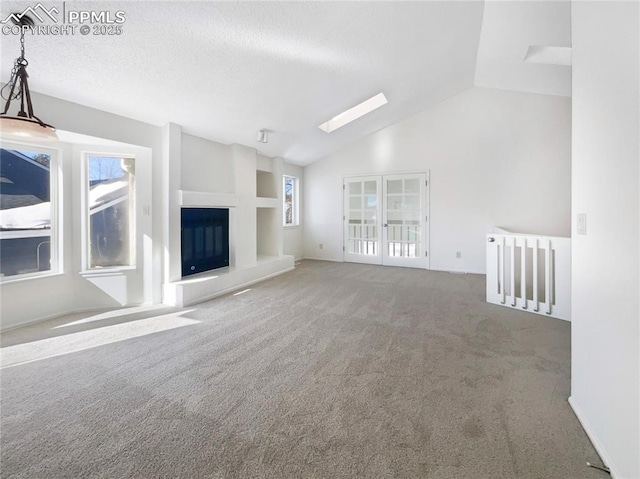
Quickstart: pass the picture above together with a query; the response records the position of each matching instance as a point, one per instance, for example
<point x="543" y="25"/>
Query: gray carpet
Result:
<point x="329" y="371"/>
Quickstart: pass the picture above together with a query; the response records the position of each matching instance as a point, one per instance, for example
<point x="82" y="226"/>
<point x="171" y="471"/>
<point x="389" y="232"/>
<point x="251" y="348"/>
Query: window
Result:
<point x="290" y="198"/>
<point x="27" y="180"/>
<point x="110" y="210"/>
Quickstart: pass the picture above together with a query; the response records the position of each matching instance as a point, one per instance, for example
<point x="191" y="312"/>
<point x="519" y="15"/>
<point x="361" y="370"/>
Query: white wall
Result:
<point x="292" y="235"/>
<point x="206" y="166"/>
<point x="605" y="390"/>
<point x="71" y="288"/>
<point x="496" y="158"/>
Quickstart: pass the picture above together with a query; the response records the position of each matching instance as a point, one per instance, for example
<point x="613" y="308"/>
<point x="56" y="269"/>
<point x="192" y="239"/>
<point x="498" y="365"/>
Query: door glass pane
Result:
<point x="412" y="202"/>
<point x="413" y="233"/>
<point x="394" y="186"/>
<point x="394" y="202"/>
<point x="394" y="217"/>
<point x="371" y="201"/>
<point x="370" y="216"/>
<point x="404" y="218"/>
<point x="371" y="232"/>
<point x="412" y="185"/>
<point x="370" y="187"/>
<point x="363" y="217"/>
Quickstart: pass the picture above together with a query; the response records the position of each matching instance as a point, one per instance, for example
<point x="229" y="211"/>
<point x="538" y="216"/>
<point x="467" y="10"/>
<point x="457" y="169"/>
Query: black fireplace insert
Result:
<point x="205" y="239"/>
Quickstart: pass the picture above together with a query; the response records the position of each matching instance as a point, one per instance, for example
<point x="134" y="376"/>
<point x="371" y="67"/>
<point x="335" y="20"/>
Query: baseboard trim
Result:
<point x="22" y="324"/>
<point x="427" y="269"/>
<point x="593" y="438"/>
<point x="324" y="259"/>
<point x="458" y="271"/>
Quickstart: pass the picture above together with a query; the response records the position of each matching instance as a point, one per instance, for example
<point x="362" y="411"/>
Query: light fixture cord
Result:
<point x="20" y="61"/>
<point x="22" y="44"/>
<point x="19" y="76"/>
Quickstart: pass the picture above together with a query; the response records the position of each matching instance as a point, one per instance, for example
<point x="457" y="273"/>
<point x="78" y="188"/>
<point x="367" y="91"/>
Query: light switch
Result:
<point x="582" y="224"/>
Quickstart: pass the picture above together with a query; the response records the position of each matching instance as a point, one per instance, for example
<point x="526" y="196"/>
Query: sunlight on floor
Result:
<point x="74" y="342"/>
<point x="242" y="292"/>
<point x="116" y="313"/>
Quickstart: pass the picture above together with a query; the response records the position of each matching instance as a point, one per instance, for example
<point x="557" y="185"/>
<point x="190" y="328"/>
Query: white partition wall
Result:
<point x="605" y="329"/>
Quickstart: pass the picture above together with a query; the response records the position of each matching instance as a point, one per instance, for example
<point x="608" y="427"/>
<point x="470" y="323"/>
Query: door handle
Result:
<point x="384" y="225"/>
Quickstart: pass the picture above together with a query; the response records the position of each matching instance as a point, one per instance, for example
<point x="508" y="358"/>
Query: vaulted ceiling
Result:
<point x="508" y="30"/>
<point x="224" y="70"/>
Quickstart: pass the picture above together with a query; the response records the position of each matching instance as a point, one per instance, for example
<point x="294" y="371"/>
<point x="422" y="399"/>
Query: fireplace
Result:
<point x="205" y="239"/>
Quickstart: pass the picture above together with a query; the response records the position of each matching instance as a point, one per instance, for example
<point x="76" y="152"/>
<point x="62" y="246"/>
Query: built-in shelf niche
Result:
<point x="266" y="185"/>
<point x="267" y="222"/>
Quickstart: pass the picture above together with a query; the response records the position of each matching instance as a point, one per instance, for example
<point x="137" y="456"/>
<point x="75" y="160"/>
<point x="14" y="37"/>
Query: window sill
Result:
<point x="28" y="277"/>
<point x="113" y="271"/>
<point x="290" y="227"/>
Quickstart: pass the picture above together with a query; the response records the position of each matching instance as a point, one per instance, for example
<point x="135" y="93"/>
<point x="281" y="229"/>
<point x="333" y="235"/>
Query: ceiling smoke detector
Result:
<point x="263" y="136"/>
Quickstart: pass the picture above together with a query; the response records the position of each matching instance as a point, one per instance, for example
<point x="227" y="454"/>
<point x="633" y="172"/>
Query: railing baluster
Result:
<point x="501" y="256"/>
<point x="536" y="305"/>
<point x="548" y="276"/>
<point x="523" y="273"/>
<point x="513" y="271"/>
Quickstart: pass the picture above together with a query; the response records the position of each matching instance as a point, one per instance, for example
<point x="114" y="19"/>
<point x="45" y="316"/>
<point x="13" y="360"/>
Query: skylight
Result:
<point x="354" y="113"/>
<point x="549" y="55"/>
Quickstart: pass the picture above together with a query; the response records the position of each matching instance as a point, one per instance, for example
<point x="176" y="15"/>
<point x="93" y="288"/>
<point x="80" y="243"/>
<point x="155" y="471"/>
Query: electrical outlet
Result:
<point x="458" y="254"/>
<point x="321" y="246"/>
<point x="581" y="226"/>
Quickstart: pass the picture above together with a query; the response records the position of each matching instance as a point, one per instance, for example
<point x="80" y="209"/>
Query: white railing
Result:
<point x="530" y="273"/>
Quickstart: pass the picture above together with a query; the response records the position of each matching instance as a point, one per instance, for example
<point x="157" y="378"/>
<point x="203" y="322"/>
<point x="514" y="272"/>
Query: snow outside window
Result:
<point x="110" y="204"/>
<point x="26" y="212"/>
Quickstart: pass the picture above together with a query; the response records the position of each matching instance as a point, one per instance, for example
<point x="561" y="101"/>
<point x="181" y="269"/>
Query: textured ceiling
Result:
<point x="508" y="30"/>
<point x="224" y="70"/>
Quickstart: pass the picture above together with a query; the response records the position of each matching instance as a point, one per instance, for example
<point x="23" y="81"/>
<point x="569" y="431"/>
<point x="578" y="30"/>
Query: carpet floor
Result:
<point x="330" y="371"/>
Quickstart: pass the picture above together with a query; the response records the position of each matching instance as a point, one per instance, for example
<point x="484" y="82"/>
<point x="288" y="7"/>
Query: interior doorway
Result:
<point x="386" y="219"/>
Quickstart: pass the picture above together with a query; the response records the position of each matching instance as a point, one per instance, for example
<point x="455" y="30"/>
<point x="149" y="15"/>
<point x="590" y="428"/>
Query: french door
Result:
<point x="385" y="220"/>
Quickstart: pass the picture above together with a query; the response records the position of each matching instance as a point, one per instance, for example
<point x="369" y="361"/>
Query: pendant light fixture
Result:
<point x="25" y="124"/>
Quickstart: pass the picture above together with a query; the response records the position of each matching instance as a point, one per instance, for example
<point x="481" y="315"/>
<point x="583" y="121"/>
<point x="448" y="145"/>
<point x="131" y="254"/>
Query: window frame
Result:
<point x="85" y="223"/>
<point x="295" y="202"/>
<point x="55" y="232"/>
